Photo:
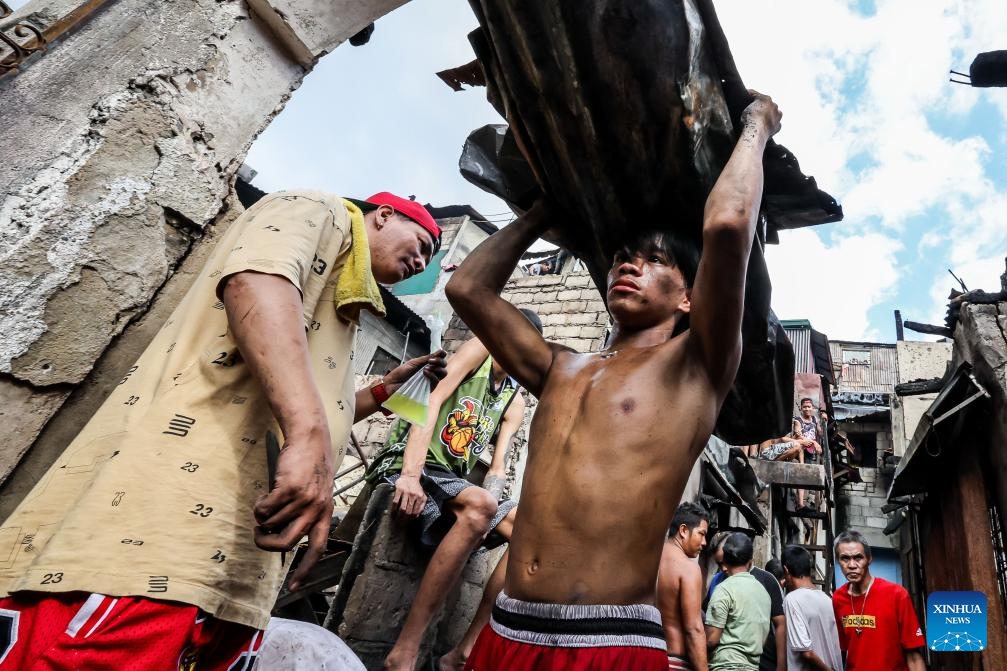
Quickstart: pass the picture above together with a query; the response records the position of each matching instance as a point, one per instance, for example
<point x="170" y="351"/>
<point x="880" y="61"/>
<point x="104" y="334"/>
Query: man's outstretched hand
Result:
<point x="301" y="501"/>
<point x="434" y="367"/>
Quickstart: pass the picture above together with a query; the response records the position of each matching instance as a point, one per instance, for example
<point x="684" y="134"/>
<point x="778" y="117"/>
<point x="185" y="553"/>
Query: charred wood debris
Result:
<point x="958" y="299"/>
<point x="623" y="115"/>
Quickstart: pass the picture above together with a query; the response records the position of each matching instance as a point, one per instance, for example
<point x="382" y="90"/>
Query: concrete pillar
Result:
<point x="120" y="145"/>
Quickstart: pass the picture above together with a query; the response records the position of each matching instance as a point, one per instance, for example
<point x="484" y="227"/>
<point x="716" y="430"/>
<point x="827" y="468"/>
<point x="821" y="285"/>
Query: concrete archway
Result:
<point x="121" y="142"/>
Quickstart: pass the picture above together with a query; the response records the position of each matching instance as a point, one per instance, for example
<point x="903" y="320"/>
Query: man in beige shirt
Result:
<point x="147" y="536"/>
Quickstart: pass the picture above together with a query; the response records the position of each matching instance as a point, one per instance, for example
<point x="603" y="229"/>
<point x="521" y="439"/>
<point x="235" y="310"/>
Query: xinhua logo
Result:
<point x="956" y="621"/>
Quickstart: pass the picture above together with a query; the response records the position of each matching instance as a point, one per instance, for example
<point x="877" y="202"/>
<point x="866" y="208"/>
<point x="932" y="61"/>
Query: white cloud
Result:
<point x="863" y="99"/>
<point x="376" y="117"/>
<point x="833" y="286"/>
<point x="977" y="273"/>
<point x="917" y="170"/>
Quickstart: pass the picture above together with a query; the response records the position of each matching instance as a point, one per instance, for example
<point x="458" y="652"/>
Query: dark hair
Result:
<point x="532" y="316"/>
<point x="718" y="540"/>
<point x="680" y="252"/>
<point x="690" y="514"/>
<point x="775" y="566"/>
<point x="806" y="399"/>
<point x="851" y="536"/>
<point x="797" y="561"/>
<point x="738" y="549"/>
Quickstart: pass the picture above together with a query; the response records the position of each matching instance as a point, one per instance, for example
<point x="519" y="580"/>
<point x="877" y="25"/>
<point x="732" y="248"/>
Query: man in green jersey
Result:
<point x="476" y="404"/>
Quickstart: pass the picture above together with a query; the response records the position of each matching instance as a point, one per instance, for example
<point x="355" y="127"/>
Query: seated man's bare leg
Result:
<point x="473" y="509"/>
<point x="454" y="659"/>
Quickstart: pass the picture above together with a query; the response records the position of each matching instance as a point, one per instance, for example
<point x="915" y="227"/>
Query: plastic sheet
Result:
<point x="624" y="114"/>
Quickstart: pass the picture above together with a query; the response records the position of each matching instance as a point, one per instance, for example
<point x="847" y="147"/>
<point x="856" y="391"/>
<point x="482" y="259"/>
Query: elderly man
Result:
<point x="153" y="542"/>
<point x="878" y="628"/>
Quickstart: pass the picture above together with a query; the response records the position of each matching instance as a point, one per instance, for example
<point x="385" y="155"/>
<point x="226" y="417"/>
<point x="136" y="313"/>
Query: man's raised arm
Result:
<point x="474" y="293"/>
<point x="718" y="294"/>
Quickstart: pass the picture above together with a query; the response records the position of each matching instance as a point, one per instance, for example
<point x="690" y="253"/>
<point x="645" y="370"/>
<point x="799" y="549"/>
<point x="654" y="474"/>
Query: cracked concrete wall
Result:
<point x="120" y="147"/>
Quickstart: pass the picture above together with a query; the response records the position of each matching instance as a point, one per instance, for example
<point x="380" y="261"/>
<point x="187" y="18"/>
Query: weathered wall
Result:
<point x="917" y="360"/>
<point x="981" y="339"/>
<point x="859" y="505"/>
<point x="921" y="360"/>
<point x="120" y="144"/>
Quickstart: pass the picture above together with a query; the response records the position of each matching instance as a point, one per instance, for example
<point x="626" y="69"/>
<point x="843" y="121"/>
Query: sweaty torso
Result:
<point x="612" y="445"/>
<point x="675" y="570"/>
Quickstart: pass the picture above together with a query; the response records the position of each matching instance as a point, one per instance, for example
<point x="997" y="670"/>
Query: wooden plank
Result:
<point x="816" y="548"/>
<point x="978" y="558"/>
<point x="326" y="573"/>
<point x="790" y="473"/>
<point x="807" y="516"/>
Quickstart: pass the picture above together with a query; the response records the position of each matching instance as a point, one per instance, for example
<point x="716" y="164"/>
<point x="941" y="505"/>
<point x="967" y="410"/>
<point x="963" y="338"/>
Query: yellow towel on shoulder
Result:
<point x="356" y="288"/>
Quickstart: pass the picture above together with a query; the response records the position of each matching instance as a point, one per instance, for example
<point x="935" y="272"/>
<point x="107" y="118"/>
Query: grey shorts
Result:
<point x="774" y="451"/>
<point x="434" y="522"/>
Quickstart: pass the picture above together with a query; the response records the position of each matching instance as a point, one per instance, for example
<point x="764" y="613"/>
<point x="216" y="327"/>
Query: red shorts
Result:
<point x="676" y="663"/>
<point x="76" y="630"/>
<point x="547" y="637"/>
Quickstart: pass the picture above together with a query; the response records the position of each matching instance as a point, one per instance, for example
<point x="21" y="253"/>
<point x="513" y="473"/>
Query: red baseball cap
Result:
<point x="406" y="207"/>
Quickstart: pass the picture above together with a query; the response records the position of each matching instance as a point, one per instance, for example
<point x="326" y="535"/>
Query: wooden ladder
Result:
<point x="826" y="581"/>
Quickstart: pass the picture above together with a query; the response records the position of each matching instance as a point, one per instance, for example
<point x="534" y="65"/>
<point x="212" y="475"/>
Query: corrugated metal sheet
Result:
<point x="800" y="338"/>
<point x="879" y="376"/>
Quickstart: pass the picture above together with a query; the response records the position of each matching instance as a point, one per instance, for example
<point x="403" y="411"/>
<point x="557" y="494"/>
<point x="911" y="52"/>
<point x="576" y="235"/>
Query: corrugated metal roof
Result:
<point x="879" y="376"/>
<point x="800" y="338"/>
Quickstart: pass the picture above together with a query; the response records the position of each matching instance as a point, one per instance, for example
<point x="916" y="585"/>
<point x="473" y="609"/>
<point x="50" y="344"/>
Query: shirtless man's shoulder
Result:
<point x="616" y="433"/>
<point x="634" y="395"/>
<point x="613" y="439"/>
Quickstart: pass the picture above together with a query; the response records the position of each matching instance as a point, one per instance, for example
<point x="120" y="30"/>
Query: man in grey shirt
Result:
<point x="812" y="636"/>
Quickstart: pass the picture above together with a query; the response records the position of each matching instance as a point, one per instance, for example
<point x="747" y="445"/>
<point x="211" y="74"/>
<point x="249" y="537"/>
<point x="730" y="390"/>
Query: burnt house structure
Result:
<point x="949" y="493"/>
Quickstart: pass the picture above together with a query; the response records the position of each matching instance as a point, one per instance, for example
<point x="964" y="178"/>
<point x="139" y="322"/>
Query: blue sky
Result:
<point x="917" y="162"/>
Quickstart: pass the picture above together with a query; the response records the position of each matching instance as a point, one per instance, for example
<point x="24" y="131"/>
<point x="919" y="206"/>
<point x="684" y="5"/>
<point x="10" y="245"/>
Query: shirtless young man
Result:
<point x="616" y="432"/>
<point x="680" y="589"/>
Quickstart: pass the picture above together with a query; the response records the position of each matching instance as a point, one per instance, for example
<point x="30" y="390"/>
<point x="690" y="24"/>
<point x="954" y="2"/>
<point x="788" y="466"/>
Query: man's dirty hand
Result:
<point x="434" y="367"/>
<point x="301" y="502"/>
<point x="762" y="109"/>
<point x="409" y="497"/>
